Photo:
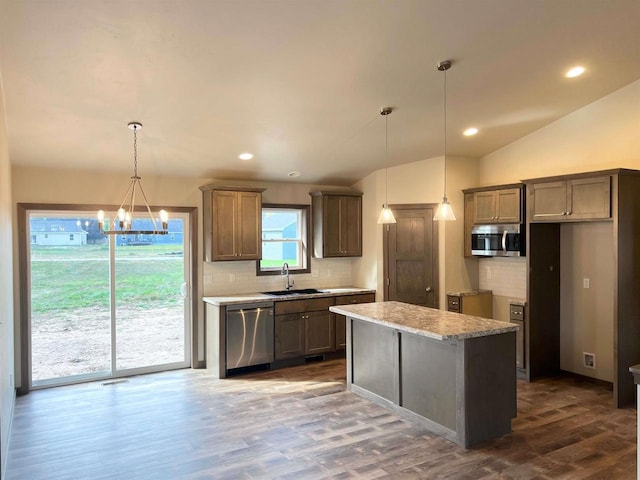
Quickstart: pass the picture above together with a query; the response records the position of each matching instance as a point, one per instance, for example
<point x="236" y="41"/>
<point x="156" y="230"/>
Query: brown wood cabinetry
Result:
<point x="232" y="218"/>
<point x="516" y="315"/>
<point x="337" y="224"/>
<point x="478" y="303"/>
<point x="498" y="206"/>
<point x="304" y="327"/>
<point x="571" y="199"/>
<point x="341" y="320"/>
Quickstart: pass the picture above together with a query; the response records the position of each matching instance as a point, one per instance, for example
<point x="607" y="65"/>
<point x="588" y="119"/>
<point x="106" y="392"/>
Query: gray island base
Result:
<point x="453" y="373"/>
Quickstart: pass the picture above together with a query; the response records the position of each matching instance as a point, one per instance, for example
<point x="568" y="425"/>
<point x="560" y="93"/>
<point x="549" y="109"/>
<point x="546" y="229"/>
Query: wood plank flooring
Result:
<point x="300" y="423"/>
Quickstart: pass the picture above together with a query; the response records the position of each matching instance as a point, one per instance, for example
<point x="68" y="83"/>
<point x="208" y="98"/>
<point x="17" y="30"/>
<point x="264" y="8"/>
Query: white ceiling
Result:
<point x="297" y="83"/>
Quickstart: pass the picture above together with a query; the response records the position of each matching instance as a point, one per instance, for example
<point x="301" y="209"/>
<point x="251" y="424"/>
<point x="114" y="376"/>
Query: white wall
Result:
<point x="586" y="314"/>
<point x="599" y="136"/>
<point x="7" y="390"/>
<point x="419" y="182"/>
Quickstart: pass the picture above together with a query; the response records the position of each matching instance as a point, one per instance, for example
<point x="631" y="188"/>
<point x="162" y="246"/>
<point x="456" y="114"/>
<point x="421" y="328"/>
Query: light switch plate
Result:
<point x="585" y="283"/>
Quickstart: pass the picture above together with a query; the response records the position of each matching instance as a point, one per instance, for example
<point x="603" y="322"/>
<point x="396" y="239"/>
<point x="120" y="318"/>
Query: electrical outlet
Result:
<point x="589" y="360"/>
<point x="585" y="283"/>
<point x="329" y="273"/>
<point x="315" y="274"/>
<point x="232" y="278"/>
<point x="208" y="279"/>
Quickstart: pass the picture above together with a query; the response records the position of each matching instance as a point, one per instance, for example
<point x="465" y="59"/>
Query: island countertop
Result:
<point x="428" y="322"/>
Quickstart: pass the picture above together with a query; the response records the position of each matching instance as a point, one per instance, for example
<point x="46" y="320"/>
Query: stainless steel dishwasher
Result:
<point x="249" y="331"/>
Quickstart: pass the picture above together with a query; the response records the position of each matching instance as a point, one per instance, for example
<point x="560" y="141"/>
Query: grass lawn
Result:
<point x="75" y="277"/>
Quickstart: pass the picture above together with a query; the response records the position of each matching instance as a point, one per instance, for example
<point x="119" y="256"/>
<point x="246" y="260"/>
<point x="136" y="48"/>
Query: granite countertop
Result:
<point x="468" y="293"/>
<point x="429" y="322"/>
<point x="261" y="297"/>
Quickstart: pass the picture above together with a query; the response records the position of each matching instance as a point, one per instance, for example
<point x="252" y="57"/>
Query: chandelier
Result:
<point x="127" y="207"/>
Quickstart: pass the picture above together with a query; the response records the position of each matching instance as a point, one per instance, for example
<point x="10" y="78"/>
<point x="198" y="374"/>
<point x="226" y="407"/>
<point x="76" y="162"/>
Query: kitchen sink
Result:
<point x="298" y="291"/>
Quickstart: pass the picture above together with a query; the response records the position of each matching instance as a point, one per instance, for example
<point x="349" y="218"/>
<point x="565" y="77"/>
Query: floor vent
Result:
<point x="113" y="382"/>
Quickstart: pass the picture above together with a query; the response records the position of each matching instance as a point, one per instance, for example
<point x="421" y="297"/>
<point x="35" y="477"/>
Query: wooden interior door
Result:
<point x="411" y="256"/>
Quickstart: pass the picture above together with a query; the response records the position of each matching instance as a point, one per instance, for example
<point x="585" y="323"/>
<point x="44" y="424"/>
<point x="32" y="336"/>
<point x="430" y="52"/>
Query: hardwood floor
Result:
<point x="300" y="423"/>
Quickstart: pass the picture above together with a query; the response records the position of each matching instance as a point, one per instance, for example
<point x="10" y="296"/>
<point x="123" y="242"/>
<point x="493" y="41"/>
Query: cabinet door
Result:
<point x="508" y="205"/>
<point x="223" y="213"/>
<point x="589" y="198"/>
<point x="319" y="336"/>
<point x="332" y="226"/>
<point x="289" y="336"/>
<point x="485" y="207"/>
<point x="351" y="211"/>
<point x="249" y="225"/>
<point x="548" y="201"/>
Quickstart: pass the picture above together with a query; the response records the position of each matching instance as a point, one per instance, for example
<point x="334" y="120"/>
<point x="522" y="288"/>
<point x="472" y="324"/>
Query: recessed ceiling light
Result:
<point x="245" y="156"/>
<point x="574" y="72"/>
<point x="293" y="174"/>
<point x="469" y="132"/>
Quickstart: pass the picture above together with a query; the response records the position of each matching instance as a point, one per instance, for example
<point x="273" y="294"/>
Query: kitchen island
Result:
<point x="453" y="373"/>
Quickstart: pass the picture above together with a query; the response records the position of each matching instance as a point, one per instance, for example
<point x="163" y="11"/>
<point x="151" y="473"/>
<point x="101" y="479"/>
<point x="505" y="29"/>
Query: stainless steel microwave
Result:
<point x="499" y="240"/>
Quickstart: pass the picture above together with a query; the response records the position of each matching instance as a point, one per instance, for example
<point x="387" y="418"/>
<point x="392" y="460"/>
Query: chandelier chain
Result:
<point x="135" y="152"/>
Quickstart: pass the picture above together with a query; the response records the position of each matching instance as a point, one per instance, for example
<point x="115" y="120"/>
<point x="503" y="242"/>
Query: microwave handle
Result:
<point x="504" y="241"/>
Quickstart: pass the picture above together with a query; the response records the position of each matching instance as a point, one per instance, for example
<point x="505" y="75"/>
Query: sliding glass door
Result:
<point x="105" y="306"/>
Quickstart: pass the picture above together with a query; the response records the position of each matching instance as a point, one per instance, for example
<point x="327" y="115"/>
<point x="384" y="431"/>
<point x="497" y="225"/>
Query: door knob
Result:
<point x="428" y="289"/>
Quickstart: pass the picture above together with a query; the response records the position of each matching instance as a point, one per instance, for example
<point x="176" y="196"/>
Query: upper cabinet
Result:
<point x="497" y="206"/>
<point x="337" y="224"/>
<point x="570" y="199"/>
<point x="232" y="218"/>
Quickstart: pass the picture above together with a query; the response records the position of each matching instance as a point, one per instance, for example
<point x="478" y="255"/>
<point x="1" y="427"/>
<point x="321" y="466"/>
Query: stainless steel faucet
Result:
<point x="285" y="271"/>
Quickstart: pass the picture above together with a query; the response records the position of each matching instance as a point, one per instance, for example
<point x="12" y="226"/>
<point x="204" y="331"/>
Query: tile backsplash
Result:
<point x="227" y="278"/>
<point x="504" y="276"/>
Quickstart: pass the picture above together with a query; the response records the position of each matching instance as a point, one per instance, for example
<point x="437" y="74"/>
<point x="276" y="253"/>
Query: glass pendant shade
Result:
<point x="386" y="216"/>
<point x="444" y="211"/>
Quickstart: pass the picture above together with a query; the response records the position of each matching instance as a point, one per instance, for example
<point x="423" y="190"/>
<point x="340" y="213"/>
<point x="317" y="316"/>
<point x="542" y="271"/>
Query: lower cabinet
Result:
<point x="516" y="315"/>
<point x="289" y="336"/>
<point x="304" y="327"/>
<point x="319" y="332"/>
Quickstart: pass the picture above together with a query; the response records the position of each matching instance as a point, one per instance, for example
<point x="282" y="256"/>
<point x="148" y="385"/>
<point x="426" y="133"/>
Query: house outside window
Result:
<point x="285" y="238"/>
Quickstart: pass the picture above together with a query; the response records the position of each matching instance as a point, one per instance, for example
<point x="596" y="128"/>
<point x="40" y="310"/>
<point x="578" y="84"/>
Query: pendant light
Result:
<point x="125" y="216"/>
<point x="386" y="215"/>
<point x="444" y="210"/>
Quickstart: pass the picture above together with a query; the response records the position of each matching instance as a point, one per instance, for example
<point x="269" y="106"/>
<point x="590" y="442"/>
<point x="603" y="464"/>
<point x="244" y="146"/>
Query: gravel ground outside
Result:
<point x="79" y="342"/>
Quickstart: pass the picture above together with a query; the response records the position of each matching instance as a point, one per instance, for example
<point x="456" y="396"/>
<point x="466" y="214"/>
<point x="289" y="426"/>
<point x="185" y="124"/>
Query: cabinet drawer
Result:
<point x="304" y="305"/>
<point x="453" y="303"/>
<point x="352" y="299"/>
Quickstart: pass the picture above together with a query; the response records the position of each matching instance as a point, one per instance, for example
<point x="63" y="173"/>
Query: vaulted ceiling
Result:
<point x="297" y="83"/>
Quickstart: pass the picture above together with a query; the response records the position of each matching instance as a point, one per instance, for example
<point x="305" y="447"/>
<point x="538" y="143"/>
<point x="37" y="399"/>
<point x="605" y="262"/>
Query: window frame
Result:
<point x="305" y="238"/>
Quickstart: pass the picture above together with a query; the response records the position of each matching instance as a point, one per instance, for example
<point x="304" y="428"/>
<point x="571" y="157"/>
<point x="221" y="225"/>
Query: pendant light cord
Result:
<point x="445" y="134"/>
<point x="386" y="160"/>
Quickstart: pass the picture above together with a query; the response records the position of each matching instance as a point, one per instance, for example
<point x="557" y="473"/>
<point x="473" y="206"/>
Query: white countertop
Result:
<point x="261" y="297"/>
<point x="429" y="322"/>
